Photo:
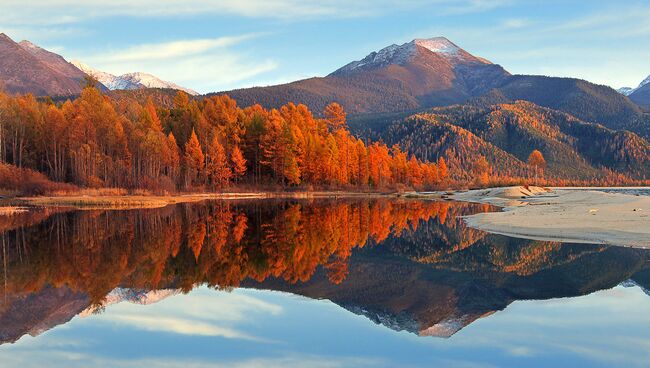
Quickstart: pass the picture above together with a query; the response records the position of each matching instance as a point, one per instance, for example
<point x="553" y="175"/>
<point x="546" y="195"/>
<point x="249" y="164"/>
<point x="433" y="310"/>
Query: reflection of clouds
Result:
<point x="178" y="325"/>
<point x="201" y="313"/>
<point x="608" y="326"/>
<point x="74" y="360"/>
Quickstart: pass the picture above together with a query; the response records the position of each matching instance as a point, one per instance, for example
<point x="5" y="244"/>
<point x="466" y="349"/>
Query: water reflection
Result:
<point x="405" y="264"/>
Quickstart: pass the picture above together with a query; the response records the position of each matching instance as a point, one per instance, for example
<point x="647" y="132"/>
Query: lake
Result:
<point x="311" y="283"/>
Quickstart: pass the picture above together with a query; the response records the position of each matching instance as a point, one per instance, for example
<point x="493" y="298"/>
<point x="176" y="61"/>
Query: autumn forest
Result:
<point x="212" y="144"/>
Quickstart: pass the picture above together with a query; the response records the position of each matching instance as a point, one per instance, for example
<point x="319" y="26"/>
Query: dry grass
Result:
<point x="128" y="201"/>
<point x="12" y="210"/>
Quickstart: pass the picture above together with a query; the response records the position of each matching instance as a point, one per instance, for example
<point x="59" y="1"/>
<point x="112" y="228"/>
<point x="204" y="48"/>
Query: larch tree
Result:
<point x="482" y="171"/>
<point x="443" y="171"/>
<point x="335" y="116"/>
<point x="238" y="163"/>
<point x="194" y="160"/>
<point x="537" y="161"/>
<point x="217" y="171"/>
<point x="172" y="157"/>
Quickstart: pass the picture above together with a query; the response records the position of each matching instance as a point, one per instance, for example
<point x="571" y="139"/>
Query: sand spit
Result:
<point x="577" y="216"/>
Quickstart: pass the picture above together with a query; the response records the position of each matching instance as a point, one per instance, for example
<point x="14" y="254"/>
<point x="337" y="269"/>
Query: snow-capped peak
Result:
<point x="628" y="91"/>
<point x="135" y="80"/>
<point x="438" y="45"/>
<point x="400" y="54"/>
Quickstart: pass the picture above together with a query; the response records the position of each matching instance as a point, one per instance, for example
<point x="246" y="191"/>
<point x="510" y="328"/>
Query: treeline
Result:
<point x="95" y="141"/>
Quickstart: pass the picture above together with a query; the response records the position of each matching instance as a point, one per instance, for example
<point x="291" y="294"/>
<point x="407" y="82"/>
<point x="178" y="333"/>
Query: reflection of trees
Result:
<point x="218" y="243"/>
<point x="223" y="243"/>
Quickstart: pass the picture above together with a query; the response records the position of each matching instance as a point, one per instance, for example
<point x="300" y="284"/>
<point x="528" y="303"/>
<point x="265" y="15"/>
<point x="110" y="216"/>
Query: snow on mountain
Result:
<point x="625" y="90"/>
<point x="400" y="54"/>
<point x="439" y="45"/>
<point x="151" y="81"/>
<point x="628" y="91"/>
<point x="135" y="80"/>
<point x="644" y="82"/>
<point x="109" y="80"/>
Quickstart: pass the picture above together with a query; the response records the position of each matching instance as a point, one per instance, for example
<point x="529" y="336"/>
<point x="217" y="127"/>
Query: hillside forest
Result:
<point x="212" y="144"/>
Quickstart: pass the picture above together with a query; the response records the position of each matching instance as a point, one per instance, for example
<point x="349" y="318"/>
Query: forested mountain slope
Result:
<point x="506" y="134"/>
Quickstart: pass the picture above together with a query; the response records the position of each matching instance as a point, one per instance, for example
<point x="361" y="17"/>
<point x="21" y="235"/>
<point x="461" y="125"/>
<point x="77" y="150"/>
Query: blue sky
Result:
<point x="220" y="45"/>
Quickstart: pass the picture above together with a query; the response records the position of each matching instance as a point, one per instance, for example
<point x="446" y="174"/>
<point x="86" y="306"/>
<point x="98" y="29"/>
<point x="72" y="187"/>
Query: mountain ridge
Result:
<point x="27" y="70"/>
<point x="129" y="81"/>
<point x="395" y="78"/>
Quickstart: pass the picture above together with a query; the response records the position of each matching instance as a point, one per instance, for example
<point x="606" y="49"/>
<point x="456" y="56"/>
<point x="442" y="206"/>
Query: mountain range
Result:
<point x="435" y="100"/>
<point x="28" y="68"/>
<point x="129" y="81"/>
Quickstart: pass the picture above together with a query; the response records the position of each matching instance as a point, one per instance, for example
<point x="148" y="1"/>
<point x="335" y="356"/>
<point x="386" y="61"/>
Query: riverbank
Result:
<point x="567" y="215"/>
<point x="10" y="205"/>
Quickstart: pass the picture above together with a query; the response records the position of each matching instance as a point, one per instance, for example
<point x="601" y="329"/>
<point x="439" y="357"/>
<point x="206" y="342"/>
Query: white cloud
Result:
<point x="181" y="326"/>
<point x="173" y="49"/>
<point x="205" y="65"/>
<point x="72" y="11"/>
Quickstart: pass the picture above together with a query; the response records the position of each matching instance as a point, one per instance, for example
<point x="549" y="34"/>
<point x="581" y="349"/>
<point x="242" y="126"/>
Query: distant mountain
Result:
<point x="417" y="74"/>
<point x="625" y="90"/>
<point x="629" y="90"/>
<point x="129" y="81"/>
<point x="27" y="68"/>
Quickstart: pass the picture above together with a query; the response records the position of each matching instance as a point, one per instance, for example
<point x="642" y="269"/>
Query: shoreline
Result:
<point x="125" y="202"/>
<point x="562" y="214"/>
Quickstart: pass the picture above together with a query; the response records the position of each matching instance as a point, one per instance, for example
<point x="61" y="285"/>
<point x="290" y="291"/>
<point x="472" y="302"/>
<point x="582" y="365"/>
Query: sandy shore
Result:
<point x="578" y="216"/>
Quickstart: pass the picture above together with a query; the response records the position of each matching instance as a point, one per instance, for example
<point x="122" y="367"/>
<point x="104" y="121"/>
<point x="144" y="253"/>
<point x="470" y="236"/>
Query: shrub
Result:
<point x="28" y="182"/>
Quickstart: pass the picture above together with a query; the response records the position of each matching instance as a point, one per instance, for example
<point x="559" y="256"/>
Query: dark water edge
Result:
<point x="356" y="282"/>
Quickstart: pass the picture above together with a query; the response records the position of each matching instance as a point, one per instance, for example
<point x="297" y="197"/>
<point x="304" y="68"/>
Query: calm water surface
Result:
<point x="323" y="283"/>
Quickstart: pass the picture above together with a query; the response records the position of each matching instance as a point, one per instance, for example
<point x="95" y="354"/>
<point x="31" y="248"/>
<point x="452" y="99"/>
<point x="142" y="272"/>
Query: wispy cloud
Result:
<point x="39" y="358"/>
<point x="206" y="65"/>
<point x="71" y="11"/>
<point x="181" y="326"/>
<point x="170" y="50"/>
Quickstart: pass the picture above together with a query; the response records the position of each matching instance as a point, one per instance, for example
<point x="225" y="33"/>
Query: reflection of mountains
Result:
<point x="416" y="297"/>
<point x="421" y="269"/>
